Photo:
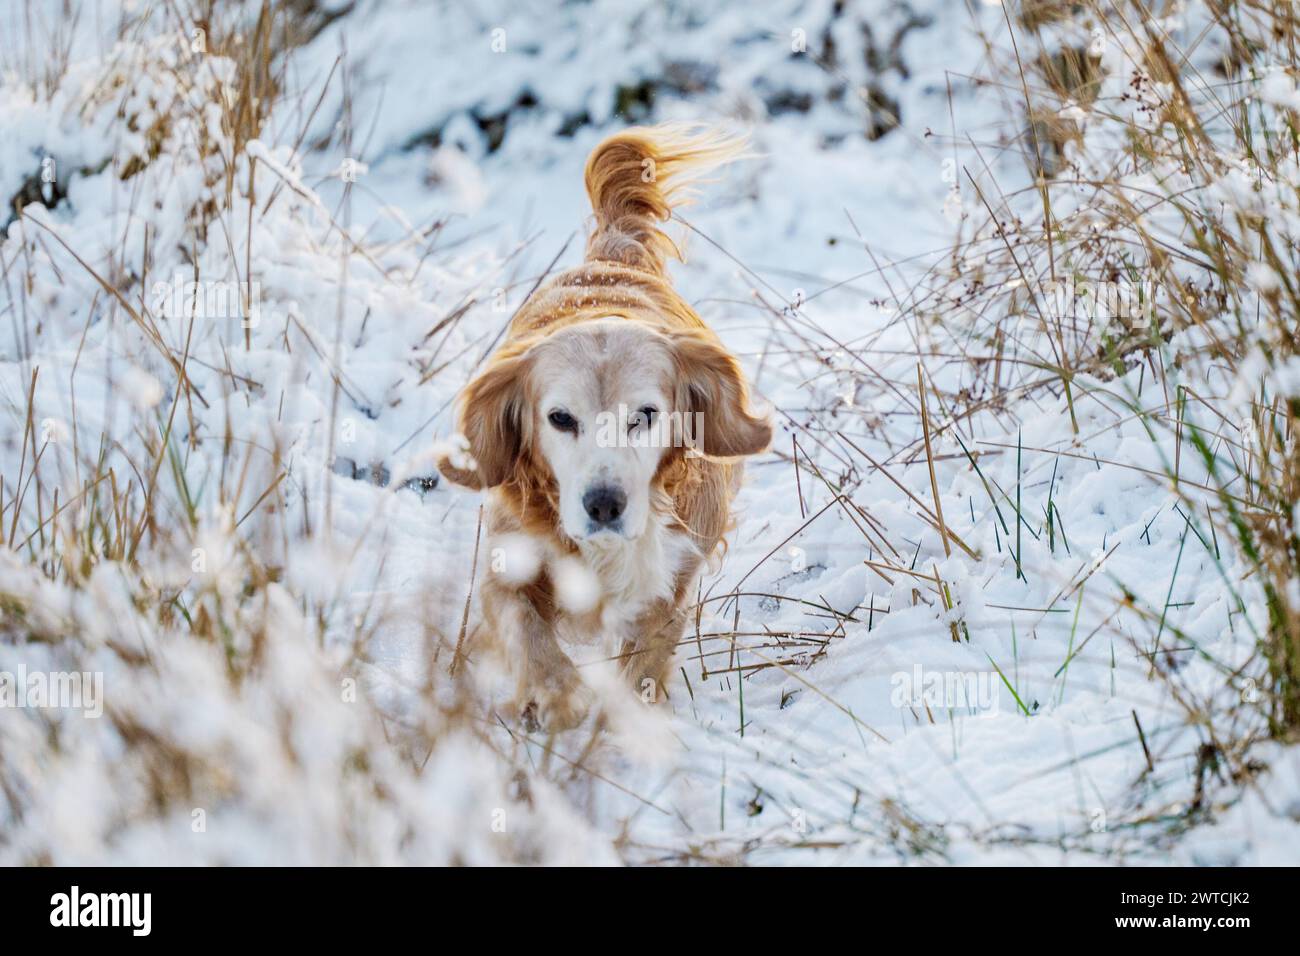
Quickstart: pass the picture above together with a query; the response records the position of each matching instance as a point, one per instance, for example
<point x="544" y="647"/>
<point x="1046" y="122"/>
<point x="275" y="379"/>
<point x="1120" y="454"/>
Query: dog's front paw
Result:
<point x="648" y="679"/>
<point x="564" y="710"/>
<point x="561" y="704"/>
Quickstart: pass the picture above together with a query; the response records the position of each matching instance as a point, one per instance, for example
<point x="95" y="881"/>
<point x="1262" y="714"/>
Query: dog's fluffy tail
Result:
<point x="637" y="177"/>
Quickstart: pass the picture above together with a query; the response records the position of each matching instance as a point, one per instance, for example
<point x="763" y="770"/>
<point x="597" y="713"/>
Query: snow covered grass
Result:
<point x="1124" y="326"/>
<point x="1017" y="582"/>
<point x="1163" y="248"/>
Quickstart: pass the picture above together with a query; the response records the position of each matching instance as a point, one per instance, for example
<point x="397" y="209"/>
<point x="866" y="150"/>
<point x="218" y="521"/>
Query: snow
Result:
<point x="382" y="260"/>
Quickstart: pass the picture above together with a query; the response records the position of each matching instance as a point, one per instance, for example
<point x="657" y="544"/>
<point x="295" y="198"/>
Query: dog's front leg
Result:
<point x="648" y="653"/>
<point x="549" y="693"/>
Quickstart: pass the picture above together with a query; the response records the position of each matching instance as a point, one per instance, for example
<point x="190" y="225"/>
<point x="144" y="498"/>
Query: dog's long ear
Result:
<point x="492" y="421"/>
<point x="711" y="388"/>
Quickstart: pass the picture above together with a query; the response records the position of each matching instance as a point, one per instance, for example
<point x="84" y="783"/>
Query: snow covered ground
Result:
<point x="1038" y="685"/>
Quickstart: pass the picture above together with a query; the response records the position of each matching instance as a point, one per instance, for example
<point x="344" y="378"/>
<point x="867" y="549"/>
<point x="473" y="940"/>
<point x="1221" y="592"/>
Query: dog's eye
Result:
<point x="645" y="416"/>
<point x="563" y="420"/>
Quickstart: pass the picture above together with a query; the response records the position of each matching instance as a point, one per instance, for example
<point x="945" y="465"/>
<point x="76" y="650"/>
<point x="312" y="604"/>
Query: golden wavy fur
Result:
<point x="634" y="179"/>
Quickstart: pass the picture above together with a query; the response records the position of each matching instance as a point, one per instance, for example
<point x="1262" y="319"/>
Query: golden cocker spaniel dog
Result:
<point x="606" y="430"/>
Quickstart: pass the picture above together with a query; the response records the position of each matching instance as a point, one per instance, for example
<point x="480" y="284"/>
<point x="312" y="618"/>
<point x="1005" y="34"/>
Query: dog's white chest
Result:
<point x="633" y="574"/>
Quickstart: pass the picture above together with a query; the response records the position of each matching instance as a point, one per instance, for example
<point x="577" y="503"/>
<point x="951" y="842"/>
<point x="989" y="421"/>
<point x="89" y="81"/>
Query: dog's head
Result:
<point x="595" y="410"/>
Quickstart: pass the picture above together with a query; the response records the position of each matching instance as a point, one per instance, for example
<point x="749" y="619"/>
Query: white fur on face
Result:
<point x="596" y="379"/>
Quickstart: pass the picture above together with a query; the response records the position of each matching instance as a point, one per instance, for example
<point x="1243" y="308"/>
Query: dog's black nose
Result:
<point x="604" y="503"/>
